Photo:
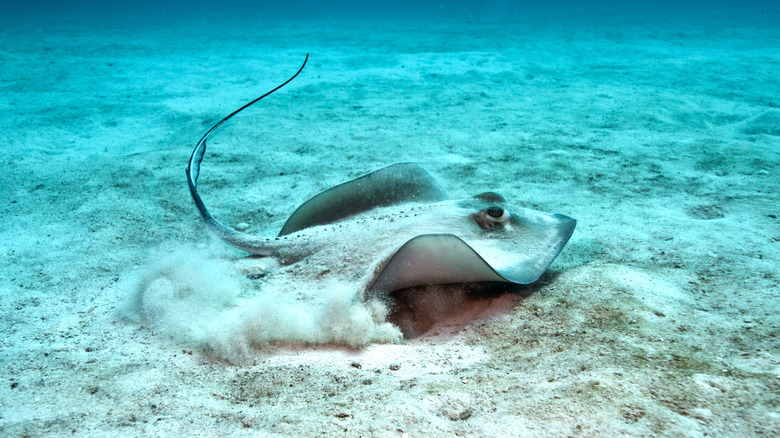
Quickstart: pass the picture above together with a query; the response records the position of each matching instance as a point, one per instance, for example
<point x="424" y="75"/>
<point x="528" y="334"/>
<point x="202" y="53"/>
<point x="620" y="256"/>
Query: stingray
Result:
<point x="400" y="229"/>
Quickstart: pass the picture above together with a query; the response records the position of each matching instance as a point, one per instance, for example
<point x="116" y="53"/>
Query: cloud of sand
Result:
<point x="198" y="300"/>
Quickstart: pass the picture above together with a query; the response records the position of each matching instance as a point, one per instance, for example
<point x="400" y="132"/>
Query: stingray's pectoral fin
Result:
<point x="448" y="259"/>
<point x="433" y="259"/>
<point x="391" y="185"/>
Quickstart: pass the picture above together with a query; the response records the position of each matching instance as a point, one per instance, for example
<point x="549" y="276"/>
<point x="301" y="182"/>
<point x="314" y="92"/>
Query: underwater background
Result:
<point x="655" y="124"/>
<point x="592" y="11"/>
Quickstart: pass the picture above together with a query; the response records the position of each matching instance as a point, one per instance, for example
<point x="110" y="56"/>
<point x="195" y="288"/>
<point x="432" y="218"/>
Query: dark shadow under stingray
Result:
<point x="445" y="309"/>
<point x="441" y="310"/>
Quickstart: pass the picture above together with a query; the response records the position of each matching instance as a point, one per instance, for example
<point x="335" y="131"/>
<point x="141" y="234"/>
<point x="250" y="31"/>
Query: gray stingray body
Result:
<point x="400" y="226"/>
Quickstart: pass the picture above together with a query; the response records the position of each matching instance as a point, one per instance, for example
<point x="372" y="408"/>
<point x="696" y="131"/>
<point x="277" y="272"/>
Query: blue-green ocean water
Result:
<point x="750" y="11"/>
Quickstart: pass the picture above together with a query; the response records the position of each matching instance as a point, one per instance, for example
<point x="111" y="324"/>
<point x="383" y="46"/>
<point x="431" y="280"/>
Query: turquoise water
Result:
<point x="640" y="11"/>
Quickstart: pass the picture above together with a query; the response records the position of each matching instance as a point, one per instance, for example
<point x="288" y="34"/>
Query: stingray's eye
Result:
<point x="495" y="212"/>
<point x="492" y="218"/>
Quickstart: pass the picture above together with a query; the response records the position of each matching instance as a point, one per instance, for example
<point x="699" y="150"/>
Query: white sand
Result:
<point x="660" y="317"/>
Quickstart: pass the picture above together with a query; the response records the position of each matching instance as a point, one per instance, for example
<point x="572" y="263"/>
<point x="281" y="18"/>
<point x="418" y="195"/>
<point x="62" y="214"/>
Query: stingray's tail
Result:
<point x="243" y="241"/>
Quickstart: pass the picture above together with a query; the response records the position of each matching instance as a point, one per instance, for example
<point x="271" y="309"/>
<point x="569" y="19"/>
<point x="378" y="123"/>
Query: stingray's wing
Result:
<point x="395" y="184"/>
<point x="433" y="259"/>
<point x="447" y="259"/>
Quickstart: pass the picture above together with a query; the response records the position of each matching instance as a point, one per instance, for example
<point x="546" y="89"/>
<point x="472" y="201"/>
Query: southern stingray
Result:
<point x="396" y="228"/>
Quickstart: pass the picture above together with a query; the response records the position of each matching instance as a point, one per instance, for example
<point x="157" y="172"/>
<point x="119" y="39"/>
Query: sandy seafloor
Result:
<point x="659" y="318"/>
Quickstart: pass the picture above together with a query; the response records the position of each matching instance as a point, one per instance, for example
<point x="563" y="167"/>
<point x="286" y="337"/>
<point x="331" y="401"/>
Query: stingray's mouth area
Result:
<point x="442" y="309"/>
